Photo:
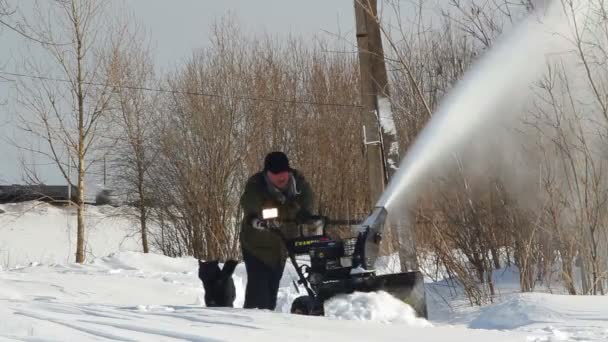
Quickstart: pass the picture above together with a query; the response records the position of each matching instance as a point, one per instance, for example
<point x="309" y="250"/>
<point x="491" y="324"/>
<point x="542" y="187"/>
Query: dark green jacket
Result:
<point x="266" y="245"/>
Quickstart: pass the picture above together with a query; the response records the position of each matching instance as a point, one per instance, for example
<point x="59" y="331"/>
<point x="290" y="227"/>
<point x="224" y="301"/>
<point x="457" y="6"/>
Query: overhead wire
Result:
<point x="192" y="93"/>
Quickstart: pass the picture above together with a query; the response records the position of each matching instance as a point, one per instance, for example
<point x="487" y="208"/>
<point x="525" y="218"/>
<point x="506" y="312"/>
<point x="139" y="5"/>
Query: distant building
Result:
<point x="47" y="193"/>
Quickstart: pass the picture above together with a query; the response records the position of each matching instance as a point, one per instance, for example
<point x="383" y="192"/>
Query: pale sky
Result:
<point x="176" y="28"/>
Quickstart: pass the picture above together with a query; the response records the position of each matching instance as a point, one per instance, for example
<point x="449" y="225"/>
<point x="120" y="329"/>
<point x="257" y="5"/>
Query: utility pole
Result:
<point x="371" y="133"/>
<point x="379" y="128"/>
<point x="379" y="131"/>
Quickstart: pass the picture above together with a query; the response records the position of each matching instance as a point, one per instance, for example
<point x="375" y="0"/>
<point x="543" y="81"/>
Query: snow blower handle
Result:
<point x="343" y="222"/>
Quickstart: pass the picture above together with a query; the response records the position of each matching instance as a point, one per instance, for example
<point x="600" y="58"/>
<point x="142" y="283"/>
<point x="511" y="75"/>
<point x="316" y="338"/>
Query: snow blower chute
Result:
<point x="343" y="266"/>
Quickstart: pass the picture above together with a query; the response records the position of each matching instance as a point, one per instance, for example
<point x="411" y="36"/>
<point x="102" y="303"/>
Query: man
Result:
<point x="277" y="186"/>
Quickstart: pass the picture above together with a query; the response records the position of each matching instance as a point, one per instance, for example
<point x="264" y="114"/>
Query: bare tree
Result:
<point x="130" y="68"/>
<point x="5" y="11"/>
<point x="4" y="8"/>
<point x="66" y="112"/>
<point x="197" y="175"/>
<point x="268" y="95"/>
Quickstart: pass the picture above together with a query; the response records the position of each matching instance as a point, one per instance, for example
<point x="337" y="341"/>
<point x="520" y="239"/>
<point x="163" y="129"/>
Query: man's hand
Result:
<point x="258" y="224"/>
<point x="318" y="223"/>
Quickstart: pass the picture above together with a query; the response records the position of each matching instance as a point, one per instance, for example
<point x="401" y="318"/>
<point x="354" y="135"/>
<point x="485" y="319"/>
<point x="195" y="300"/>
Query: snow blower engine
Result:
<point x="343" y="266"/>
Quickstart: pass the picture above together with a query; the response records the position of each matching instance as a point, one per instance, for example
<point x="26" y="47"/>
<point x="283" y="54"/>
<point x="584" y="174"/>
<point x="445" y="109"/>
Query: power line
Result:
<point x="160" y="90"/>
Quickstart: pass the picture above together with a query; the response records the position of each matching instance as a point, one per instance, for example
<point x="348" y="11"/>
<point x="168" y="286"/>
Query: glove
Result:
<point x="318" y="223"/>
<point x="258" y="224"/>
<point x="318" y="226"/>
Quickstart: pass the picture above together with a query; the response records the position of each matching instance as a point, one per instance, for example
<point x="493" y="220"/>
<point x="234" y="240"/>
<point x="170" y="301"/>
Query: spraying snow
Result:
<point x="509" y="67"/>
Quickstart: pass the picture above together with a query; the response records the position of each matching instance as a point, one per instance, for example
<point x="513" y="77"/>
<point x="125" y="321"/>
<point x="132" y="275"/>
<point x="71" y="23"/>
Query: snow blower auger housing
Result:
<point x="344" y="266"/>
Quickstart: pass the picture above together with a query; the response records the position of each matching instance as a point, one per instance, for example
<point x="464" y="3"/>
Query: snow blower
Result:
<point x="343" y="266"/>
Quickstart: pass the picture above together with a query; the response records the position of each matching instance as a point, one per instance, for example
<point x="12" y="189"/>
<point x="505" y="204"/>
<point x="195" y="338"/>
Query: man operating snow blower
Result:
<point x="276" y="186"/>
<point x="277" y="224"/>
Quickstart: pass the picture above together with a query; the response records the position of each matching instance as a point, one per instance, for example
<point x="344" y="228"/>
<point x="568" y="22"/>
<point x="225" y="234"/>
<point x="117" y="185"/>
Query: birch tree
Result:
<point x="65" y="99"/>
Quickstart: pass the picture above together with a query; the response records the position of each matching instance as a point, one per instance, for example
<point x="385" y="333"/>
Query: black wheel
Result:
<point x="306" y="305"/>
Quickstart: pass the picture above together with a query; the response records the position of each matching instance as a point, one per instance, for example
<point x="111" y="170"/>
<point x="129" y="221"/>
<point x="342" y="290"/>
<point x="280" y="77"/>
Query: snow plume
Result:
<point x="492" y="92"/>
<point x="373" y="306"/>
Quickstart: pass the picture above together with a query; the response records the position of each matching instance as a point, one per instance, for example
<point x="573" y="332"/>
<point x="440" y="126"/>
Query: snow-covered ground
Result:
<point x="36" y="231"/>
<point x="128" y="296"/>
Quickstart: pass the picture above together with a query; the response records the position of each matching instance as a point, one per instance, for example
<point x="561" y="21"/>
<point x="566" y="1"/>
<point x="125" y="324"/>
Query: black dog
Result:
<point x="218" y="284"/>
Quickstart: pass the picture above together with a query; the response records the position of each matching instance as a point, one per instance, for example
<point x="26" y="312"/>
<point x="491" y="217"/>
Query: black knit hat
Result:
<point x="276" y="162"/>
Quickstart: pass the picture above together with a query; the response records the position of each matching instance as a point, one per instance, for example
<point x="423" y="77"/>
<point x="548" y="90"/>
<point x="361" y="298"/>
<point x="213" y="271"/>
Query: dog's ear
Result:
<point x="208" y="270"/>
<point x="228" y="268"/>
<point x="208" y="264"/>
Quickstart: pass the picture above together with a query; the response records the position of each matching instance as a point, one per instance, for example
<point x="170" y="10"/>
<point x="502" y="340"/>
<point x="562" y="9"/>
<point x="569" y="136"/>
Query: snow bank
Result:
<point x="146" y="262"/>
<point x="518" y="311"/>
<point x="39" y="232"/>
<point x="375" y="306"/>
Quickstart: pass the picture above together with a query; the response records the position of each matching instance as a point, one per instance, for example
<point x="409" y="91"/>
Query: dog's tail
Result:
<point x="228" y="269"/>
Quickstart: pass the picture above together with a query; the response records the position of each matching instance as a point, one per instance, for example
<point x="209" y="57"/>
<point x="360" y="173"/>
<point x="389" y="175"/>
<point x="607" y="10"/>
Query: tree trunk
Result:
<point x="81" y="146"/>
<point x="567" y="275"/>
<point x="144" y="229"/>
<point x="80" y="225"/>
<point x="142" y="210"/>
<point x="584" y="275"/>
<point x="80" y="212"/>
<point x="495" y="257"/>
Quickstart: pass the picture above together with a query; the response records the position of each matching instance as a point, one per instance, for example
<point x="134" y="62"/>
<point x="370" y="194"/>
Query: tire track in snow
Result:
<point x="110" y="320"/>
<point x="202" y="320"/>
<point x="94" y="332"/>
<point x="155" y="331"/>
